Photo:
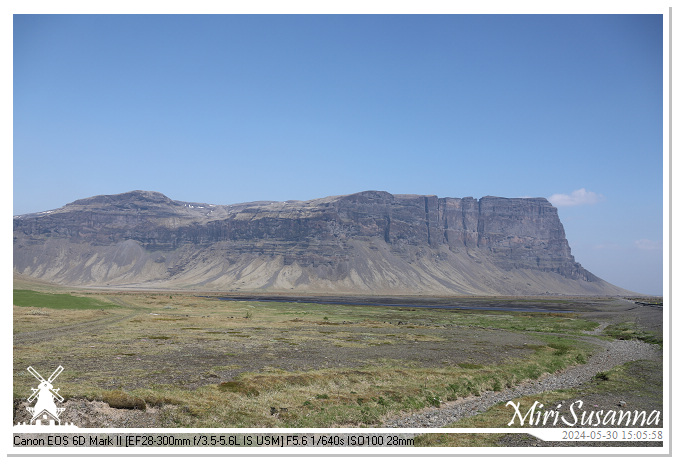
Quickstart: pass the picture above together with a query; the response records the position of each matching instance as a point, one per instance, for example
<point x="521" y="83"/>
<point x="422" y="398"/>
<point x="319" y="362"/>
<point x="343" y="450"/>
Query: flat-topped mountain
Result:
<point x="366" y="243"/>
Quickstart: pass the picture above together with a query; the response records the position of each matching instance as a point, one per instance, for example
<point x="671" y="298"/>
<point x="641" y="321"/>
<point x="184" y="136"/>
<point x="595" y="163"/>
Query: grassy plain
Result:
<point x="204" y="362"/>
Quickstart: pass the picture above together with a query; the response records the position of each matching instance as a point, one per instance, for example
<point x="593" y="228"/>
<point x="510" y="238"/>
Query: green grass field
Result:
<point x="30" y="298"/>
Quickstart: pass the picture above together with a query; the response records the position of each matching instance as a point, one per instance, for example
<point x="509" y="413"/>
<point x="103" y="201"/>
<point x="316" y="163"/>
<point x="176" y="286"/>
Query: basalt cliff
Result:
<point x="368" y="243"/>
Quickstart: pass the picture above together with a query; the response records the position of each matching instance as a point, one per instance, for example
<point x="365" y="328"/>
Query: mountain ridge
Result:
<point x="370" y="242"/>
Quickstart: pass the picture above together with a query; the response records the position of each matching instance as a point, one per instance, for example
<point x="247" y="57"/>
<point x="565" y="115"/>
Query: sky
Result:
<point x="225" y="109"/>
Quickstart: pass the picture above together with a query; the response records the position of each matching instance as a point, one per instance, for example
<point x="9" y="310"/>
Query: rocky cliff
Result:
<point x="366" y="243"/>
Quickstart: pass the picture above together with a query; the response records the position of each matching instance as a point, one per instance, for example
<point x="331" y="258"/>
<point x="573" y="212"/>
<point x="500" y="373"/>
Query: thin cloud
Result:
<point x="575" y="198"/>
<point x="648" y="245"/>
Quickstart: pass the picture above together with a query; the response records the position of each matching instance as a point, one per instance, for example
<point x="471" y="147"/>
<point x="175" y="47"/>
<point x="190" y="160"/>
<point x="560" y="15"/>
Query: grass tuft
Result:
<point x="628" y="331"/>
<point x="238" y="387"/>
<point x="602" y="376"/>
<point x="120" y="400"/>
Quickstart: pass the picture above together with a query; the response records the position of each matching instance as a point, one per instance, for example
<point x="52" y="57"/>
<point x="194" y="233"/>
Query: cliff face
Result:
<point x="369" y="242"/>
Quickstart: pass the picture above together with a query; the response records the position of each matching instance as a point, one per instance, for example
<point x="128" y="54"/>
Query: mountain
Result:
<point x="365" y="243"/>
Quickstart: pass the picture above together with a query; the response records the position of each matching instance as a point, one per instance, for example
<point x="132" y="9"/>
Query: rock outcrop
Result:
<point x="366" y="243"/>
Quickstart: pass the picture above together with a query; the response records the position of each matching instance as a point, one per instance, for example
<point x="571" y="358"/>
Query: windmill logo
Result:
<point x="45" y="407"/>
<point x="45" y="411"/>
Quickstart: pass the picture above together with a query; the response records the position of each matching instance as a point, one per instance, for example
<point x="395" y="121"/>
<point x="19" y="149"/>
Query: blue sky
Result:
<point x="227" y="108"/>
